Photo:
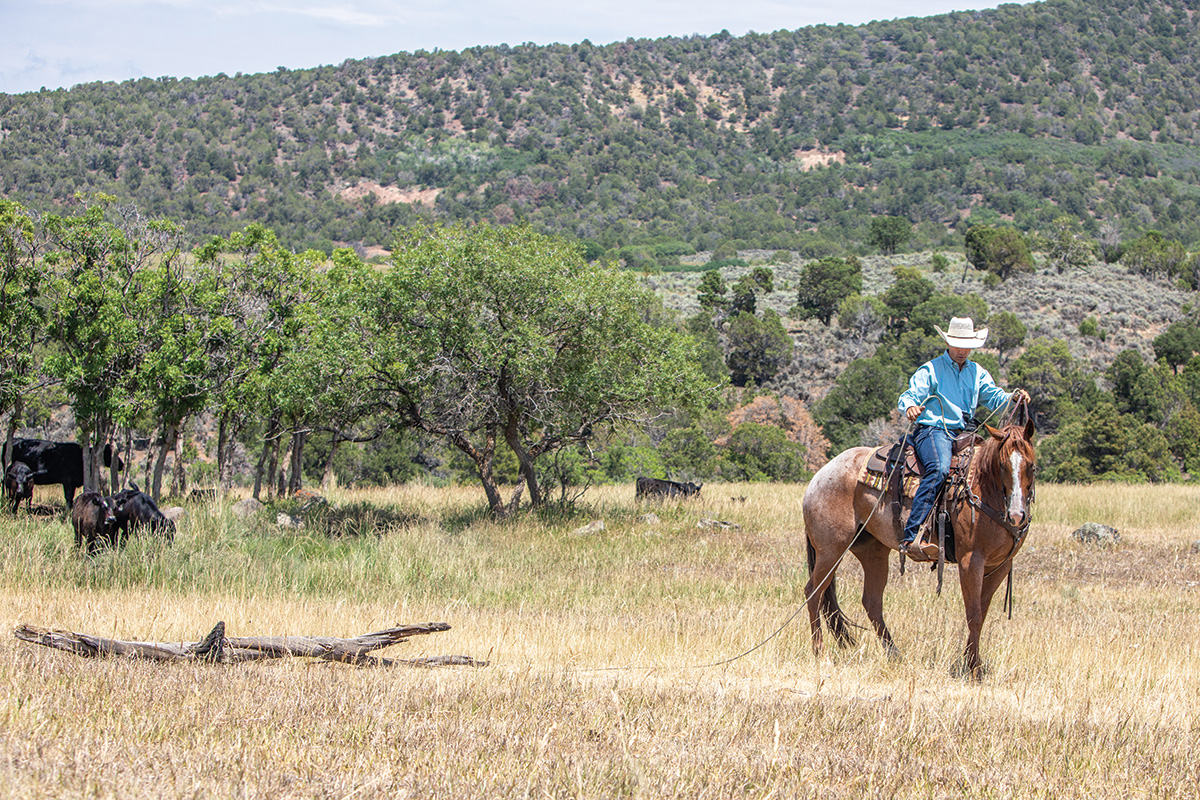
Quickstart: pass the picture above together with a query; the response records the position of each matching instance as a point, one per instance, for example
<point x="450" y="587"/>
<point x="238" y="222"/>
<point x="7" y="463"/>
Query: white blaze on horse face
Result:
<point x="1016" y="502"/>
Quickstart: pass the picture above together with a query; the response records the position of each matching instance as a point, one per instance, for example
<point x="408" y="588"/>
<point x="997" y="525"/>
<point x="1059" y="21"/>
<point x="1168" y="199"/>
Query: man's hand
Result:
<point x="913" y="412"/>
<point x="1020" y="396"/>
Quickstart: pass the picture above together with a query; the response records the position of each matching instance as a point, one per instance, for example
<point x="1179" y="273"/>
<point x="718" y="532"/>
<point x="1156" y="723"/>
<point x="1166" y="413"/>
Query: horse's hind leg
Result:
<point x="819" y="592"/>
<point x="873" y="555"/>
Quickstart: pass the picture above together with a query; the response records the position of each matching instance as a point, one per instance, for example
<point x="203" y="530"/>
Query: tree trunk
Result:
<point x="527" y="473"/>
<point x="221" y="436"/>
<point x="178" y="472"/>
<point x="328" y="478"/>
<point x="270" y="443"/>
<point x="93" y="472"/>
<point x="296" y="473"/>
<point x="484" y="459"/>
<point x="11" y="433"/>
<point x="218" y="648"/>
<point x="273" y="468"/>
<point x="114" y="471"/>
<point x="166" y="443"/>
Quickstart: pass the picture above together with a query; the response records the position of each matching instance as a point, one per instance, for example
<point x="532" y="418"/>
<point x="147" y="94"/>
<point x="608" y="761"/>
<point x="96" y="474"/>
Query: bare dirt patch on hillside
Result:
<point x="390" y="194"/>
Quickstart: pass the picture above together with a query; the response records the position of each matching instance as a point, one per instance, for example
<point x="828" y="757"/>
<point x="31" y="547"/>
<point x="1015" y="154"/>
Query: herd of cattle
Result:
<point x="98" y="520"/>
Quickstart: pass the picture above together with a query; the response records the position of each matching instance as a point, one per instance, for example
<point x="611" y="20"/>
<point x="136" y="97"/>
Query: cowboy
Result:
<point x="942" y="396"/>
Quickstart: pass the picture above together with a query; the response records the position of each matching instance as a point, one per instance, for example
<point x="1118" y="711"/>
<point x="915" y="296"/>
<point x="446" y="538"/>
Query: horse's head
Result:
<point x="1008" y="464"/>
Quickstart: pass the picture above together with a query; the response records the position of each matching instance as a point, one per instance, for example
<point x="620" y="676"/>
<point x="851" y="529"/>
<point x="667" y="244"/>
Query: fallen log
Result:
<point x="216" y="647"/>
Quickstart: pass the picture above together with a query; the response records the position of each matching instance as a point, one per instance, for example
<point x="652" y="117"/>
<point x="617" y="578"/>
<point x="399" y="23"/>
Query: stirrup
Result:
<point x="920" y="550"/>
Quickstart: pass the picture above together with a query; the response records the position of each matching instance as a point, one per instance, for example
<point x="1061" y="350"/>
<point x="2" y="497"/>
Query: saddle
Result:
<point x="879" y="471"/>
<point x="895" y="470"/>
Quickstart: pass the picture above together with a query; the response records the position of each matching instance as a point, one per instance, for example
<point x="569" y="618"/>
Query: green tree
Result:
<point x="689" y="451"/>
<point x="169" y="380"/>
<point x="940" y="308"/>
<point x="1178" y="344"/>
<point x="866" y="390"/>
<point x="484" y="334"/>
<point x="1154" y="255"/>
<point x="1136" y="387"/>
<point x="1067" y="247"/>
<point x="756" y="452"/>
<point x="1053" y="378"/>
<point x="1000" y="251"/>
<point x="745" y="291"/>
<point x="758" y="348"/>
<point x="256" y="301"/>
<point x="889" y="233"/>
<point x="97" y="259"/>
<point x="21" y="312"/>
<point x="710" y="356"/>
<point x="1006" y="332"/>
<point x="909" y="290"/>
<point x="824" y="284"/>
<point x="712" y="290"/>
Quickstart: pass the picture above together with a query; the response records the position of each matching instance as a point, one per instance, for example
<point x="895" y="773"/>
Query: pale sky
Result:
<point x="60" y="43"/>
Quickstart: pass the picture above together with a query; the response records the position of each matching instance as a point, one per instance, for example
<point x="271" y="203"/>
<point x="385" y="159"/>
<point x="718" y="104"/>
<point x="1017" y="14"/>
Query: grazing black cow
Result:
<point x="658" y="488"/>
<point x="57" y="462"/>
<point x="18" y="484"/>
<point x="94" y="519"/>
<point x="135" y="508"/>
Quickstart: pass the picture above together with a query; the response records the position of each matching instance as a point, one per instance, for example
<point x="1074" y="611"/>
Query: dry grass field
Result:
<point x="601" y="647"/>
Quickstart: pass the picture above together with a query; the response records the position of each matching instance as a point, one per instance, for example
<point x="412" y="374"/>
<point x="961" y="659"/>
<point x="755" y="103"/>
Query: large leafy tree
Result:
<point x="96" y="314"/>
<point x="486" y="335"/>
<point x="256" y="300"/>
<point x="758" y="347"/>
<point x="21" y="314"/>
<point x="1000" y="250"/>
<point x="1155" y="255"/>
<point x="1006" y="333"/>
<point x="889" y="233"/>
<point x="823" y="284"/>
<point x="866" y="390"/>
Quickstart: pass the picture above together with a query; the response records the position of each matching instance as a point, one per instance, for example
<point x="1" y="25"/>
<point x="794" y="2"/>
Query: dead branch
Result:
<point x="218" y="648"/>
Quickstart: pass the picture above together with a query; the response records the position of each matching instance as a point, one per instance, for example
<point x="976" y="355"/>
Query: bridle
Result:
<point x="1001" y="518"/>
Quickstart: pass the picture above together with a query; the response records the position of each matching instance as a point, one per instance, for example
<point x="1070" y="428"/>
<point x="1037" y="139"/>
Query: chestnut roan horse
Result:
<point x="989" y="526"/>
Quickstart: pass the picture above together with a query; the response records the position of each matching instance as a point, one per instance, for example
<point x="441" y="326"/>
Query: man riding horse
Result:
<point x="942" y="396"/>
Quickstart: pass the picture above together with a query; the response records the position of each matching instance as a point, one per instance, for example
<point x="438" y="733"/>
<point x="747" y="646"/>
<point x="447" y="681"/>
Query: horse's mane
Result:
<point x="994" y="453"/>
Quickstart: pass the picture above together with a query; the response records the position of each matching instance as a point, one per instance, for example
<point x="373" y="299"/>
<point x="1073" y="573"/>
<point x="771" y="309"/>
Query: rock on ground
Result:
<point x="1095" y="533"/>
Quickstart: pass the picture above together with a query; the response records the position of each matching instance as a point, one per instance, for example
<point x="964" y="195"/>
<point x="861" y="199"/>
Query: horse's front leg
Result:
<point x="874" y="557"/>
<point x="970" y="579"/>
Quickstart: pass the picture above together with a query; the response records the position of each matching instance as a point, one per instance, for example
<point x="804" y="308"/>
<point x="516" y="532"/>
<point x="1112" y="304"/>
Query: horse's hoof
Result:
<point x="974" y="674"/>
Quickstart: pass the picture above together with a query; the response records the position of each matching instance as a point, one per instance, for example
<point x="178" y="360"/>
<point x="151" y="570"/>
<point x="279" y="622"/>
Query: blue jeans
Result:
<point x="934" y="447"/>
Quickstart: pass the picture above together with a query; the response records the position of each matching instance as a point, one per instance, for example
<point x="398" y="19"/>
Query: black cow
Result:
<point x="18" y="484"/>
<point x="658" y="488"/>
<point x="57" y="462"/>
<point x="135" y="508"/>
<point x="94" y="519"/>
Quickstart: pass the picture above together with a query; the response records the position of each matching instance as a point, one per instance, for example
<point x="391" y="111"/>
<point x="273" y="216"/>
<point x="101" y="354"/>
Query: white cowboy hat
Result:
<point x="961" y="333"/>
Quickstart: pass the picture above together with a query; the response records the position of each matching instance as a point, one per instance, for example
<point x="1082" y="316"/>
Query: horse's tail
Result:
<point x="829" y="608"/>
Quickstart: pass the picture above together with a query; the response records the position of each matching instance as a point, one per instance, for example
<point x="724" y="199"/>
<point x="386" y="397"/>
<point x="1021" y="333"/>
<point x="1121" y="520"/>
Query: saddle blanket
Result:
<point x="876" y="471"/>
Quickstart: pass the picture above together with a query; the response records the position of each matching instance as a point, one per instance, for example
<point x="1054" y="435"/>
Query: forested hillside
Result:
<point x="654" y="149"/>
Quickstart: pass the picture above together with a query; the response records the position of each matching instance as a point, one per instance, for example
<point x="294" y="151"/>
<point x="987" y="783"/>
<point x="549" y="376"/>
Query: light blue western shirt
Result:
<point x="951" y="395"/>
